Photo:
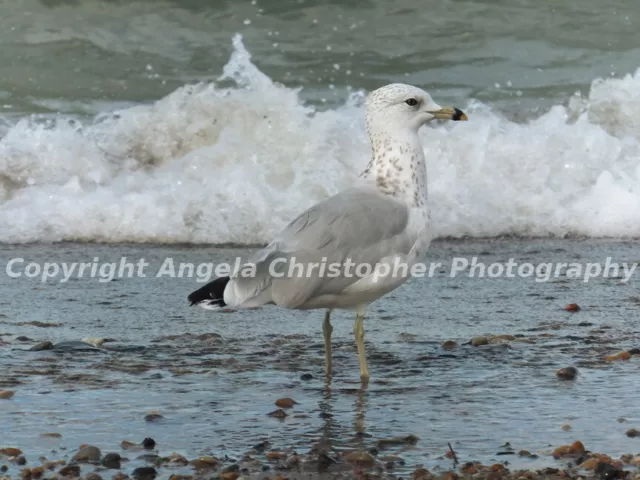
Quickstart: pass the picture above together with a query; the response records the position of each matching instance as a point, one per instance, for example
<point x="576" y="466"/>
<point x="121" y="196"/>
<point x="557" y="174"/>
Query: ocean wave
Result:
<point x="214" y="164"/>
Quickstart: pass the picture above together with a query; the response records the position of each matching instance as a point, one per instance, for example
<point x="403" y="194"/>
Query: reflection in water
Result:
<point x="332" y="434"/>
<point x="359" y="414"/>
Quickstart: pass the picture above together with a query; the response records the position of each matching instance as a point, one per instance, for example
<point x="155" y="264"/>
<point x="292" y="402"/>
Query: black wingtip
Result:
<point x="212" y="292"/>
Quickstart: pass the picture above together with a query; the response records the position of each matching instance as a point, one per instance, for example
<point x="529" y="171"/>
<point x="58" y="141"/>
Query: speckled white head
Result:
<point x="404" y="106"/>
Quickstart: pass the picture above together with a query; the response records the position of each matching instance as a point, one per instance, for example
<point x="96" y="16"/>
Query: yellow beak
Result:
<point x="450" y="113"/>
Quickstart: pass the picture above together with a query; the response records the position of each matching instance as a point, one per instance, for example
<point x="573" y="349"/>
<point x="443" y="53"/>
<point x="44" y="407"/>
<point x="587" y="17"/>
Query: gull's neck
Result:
<point x="398" y="167"/>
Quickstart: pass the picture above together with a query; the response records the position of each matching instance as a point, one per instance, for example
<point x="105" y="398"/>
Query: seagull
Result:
<point x="358" y="245"/>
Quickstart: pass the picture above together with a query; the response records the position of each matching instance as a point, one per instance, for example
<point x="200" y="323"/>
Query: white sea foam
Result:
<point x="234" y="165"/>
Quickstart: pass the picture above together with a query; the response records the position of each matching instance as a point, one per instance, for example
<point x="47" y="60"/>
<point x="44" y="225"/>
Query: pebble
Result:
<point x="567" y="373"/>
<point x="276" y="455"/>
<point x="572" y="307"/>
<point x="280" y="413"/>
<point x="231" y="468"/>
<point x="402" y="440"/>
<point x="576" y="448"/>
<point x="96" y="342"/>
<point x="92" y="476"/>
<point x="111" y="460"/>
<point x="51" y="435"/>
<point x="421" y="474"/>
<point x="285" y="402"/>
<point x="153" y="417"/>
<point x="229" y="476"/>
<point x="144" y="473"/>
<point x="566" y="428"/>
<point x="361" y="458"/>
<point x="10" y="452"/>
<point x="70" y="471"/>
<point x="618" y="356"/>
<point x="449" y="345"/>
<point x="177" y="459"/>
<point x="148" y="443"/>
<point x="306" y="376"/>
<point x="632" y="433"/>
<point x="6" y="394"/>
<point x="478" y="341"/>
<point x="204" y="463"/>
<point x="37" y="472"/>
<point x="42" y="346"/>
<point x="87" y="454"/>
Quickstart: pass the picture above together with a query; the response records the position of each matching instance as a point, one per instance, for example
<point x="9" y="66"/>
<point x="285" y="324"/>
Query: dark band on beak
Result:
<point x="458" y="115"/>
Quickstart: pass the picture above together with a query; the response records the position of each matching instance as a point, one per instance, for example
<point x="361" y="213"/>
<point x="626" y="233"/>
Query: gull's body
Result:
<point x="382" y="220"/>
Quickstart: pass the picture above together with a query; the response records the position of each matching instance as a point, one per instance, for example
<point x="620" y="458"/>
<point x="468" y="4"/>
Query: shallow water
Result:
<point x="215" y="376"/>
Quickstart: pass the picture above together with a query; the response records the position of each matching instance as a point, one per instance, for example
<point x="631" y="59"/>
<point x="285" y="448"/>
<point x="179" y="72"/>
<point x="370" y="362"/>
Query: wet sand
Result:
<point x="214" y="377"/>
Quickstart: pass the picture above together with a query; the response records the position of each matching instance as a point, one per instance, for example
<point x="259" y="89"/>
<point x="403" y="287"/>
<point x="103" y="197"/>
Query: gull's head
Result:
<point x="404" y="106"/>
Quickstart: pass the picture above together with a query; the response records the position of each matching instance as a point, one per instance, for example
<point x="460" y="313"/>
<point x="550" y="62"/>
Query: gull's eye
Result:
<point x="412" y="102"/>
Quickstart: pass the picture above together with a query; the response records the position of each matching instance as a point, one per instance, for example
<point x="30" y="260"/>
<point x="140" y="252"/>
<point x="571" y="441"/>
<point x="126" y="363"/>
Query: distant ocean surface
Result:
<point x="179" y="121"/>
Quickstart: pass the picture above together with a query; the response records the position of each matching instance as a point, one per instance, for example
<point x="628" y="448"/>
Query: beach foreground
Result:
<point x="470" y="361"/>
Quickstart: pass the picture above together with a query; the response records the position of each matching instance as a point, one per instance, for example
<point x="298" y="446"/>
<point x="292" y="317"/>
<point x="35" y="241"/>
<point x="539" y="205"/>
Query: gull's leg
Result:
<point x="358" y="330"/>
<point x="326" y="330"/>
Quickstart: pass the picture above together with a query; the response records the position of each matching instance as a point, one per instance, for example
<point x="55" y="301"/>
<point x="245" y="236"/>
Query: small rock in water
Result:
<point x="177" y="459"/>
<point x="149" y="443"/>
<point x="229" y="475"/>
<point x="285" y="402"/>
<point x="112" y="460"/>
<point x="10" y="452"/>
<point x="567" y="373"/>
<point x="363" y="459"/>
<point x="566" y="428"/>
<point x="70" y="471"/>
<point x="120" y="476"/>
<point x="22" y="338"/>
<point x="478" y="341"/>
<point x="632" y="433"/>
<point x="575" y="449"/>
<point x="92" y="476"/>
<point x="406" y="440"/>
<point x="51" y="435"/>
<point x="42" y="346"/>
<point x="204" y="463"/>
<point x="96" y="342"/>
<point x="306" y="376"/>
<point x="144" y="473"/>
<point x="88" y="454"/>
<point x="234" y="468"/>
<point x="262" y="446"/>
<point x="421" y="474"/>
<point x="634" y="351"/>
<point x="618" y="356"/>
<point x="6" y="394"/>
<point x="449" y="345"/>
<point x="153" y="417"/>
<point x="572" y="307"/>
<point x="280" y="413"/>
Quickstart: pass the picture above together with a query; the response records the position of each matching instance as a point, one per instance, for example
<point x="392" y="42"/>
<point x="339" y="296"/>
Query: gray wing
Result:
<point x="357" y="224"/>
